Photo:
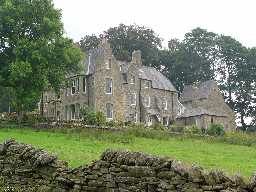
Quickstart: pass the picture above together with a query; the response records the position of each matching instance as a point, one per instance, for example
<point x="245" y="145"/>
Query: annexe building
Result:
<point x="123" y="91"/>
<point x="204" y="105"/>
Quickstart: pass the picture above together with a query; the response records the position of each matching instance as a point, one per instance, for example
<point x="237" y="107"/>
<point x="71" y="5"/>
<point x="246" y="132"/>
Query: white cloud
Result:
<point x="168" y="18"/>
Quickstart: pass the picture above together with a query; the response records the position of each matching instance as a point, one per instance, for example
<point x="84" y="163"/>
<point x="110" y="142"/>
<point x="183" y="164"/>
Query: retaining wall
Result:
<point x="30" y="169"/>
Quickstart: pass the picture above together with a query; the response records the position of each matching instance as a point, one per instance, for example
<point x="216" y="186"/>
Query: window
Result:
<point x="73" y="87"/>
<point x="165" y="104"/>
<point x="109" y="63"/>
<point x="77" y="85"/>
<point x="109" y="86"/>
<point x="134" y="117"/>
<point x="84" y="84"/>
<point x="73" y="112"/>
<point x="147" y="101"/>
<point x="109" y="108"/>
<point x="146" y="84"/>
<point x="133" y="99"/>
<point x="165" y="121"/>
<point x="211" y="120"/>
<point x="133" y="79"/>
<point x="124" y="76"/>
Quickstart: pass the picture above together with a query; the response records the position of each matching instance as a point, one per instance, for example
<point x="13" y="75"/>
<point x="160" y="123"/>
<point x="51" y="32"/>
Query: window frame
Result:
<point x="109" y="63"/>
<point x="111" y="111"/>
<point x="84" y="84"/>
<point x="165" y="105"/>
<point x="148" y="101"/>
<point x="132" y="81"/>
<point x="133" y="98"/>
<point x="73" y="85"/>
<point x="111" y="86"/>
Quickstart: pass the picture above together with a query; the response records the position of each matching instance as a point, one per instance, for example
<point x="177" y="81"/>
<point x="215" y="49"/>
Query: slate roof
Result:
<point x="199" y="111"/>
<point x="159" y="81"/>
<point x="195" y="92"/>
<point x="90" y="62"/>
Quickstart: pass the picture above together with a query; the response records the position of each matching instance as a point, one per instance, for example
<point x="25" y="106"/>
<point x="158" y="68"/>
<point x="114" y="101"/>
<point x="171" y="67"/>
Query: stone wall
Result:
<point x="32" y="169"/>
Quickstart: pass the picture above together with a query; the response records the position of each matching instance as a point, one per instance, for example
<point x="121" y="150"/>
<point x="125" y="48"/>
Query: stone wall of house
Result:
<point x="29" y="169"/>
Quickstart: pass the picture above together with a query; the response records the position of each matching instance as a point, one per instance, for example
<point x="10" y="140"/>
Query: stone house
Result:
<point x="123" y="91"/>
<point x="204" y="105"/>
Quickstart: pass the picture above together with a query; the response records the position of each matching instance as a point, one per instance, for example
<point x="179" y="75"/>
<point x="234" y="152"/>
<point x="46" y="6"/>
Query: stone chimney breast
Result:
<point x="136" y="57"/>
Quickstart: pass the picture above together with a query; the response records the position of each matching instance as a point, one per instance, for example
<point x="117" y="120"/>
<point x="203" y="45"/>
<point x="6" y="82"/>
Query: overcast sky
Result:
<point x="168" y="18"/>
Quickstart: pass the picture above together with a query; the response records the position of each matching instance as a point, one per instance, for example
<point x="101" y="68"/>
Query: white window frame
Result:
<point x="133" y="98"/>
<point x="73" y="85"/>
<point x="111" y="112"/>
<point x="165" y="104"/>
<point x="132" y="79"/>
<point x="148" y="101"/>
<point x="109" y="63"/>
<point x="111" y="86"/>
<point x="146" y="84"/>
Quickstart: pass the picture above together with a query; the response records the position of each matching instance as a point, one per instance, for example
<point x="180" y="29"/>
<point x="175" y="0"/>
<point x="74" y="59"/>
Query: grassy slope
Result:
<point x="82" y="150"/>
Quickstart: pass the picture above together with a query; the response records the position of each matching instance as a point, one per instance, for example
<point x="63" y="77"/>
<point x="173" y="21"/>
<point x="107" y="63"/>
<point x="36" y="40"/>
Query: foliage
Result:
<point x="33" y="52"/>
<point x="92" y="118"/>
<point x="177" y="128"/>
<point x="124" y="39"/>
<point x="215" y="130"/>
<point x="193" y="129"/>
<point x="157" y="126"/>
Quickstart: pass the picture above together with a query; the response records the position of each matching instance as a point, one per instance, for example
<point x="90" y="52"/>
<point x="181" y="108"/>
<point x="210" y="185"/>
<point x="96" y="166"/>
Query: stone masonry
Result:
<point x="29" y="169"/>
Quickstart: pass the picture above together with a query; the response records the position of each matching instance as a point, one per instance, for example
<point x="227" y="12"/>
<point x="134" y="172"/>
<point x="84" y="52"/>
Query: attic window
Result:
<point x="146" y="84"/>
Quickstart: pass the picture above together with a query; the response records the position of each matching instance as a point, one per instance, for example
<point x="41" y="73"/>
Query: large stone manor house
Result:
<point x="123" y="91"/>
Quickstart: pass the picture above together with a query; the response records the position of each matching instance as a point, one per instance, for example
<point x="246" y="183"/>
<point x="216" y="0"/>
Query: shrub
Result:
<point x="111" y="123"/>
<point x="215" y="130"/>
<point x="177" y="128"/>
<point x="100" y="118"/>
<point x="92" y="118"/>
<point x="157" y="126"/>
<point x="193" y="129"/>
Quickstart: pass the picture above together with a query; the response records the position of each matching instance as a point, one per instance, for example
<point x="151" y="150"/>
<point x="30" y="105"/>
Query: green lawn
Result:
<point x="79" y="150"/>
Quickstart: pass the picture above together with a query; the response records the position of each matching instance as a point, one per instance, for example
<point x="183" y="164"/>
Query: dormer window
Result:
<point x="132" y="79"/>
<point x="146" y="84"/>
<point x="109" y="63"/>
<point x="109" y="86"/>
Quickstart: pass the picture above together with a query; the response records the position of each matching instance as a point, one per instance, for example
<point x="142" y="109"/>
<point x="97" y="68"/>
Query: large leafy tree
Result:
<point x="124" y="39"/>
<point x="33" y="52"/>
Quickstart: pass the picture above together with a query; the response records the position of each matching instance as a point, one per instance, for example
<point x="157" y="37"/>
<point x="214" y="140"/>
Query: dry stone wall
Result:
<point x="30" y="169"/>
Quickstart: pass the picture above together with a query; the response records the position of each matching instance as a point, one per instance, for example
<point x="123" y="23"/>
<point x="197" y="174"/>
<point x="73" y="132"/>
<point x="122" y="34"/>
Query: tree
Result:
<point x="124" y="39"/>
<point x="33" y="52"/>
<point x="89" y="42"/>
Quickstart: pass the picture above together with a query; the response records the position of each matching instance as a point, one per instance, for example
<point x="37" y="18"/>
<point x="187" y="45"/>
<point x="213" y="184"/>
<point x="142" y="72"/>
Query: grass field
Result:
<point x="80" y="149"/>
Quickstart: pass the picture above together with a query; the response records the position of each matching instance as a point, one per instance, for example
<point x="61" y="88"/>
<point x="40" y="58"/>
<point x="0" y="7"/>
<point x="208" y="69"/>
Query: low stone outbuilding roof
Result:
<point x="198" y="112"/>
<point x="195" y="92"/>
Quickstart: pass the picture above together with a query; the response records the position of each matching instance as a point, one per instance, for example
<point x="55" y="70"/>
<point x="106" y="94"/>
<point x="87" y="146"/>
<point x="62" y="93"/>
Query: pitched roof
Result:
<point x="90" y="61"/>
<point x="199" y="111"/>
<point x="195" y="92"/>
<point x="159" y="81"/>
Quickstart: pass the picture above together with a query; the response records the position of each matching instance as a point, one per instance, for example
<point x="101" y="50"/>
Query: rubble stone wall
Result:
<point x="29" y="169"/>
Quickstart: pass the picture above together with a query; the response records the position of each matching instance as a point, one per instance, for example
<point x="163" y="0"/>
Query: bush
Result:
<point x="177" y="128"/>
<point x="215" y="130"/>
<point x="92" y="118"/>
<point x="193" y="129"/>
<point x="157" y="126"/>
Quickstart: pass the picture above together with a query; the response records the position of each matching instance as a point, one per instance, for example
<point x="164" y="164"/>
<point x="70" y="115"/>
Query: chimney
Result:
<point x="136" y="57"/>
